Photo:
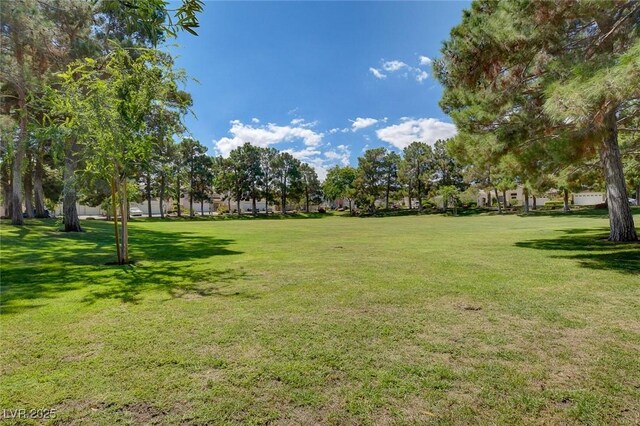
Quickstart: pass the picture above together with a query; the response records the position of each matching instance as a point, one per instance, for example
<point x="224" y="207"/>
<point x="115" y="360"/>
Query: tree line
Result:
<point x="382" y="176"/>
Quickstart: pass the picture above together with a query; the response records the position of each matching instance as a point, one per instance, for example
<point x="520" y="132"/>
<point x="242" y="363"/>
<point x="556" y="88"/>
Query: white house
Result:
<point x="588" y="198"/>
<point x="513" y="197"/>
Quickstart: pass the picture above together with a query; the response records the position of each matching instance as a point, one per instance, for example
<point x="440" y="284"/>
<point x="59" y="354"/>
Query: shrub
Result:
<point x="321" y="210"/>
<point x="554" y="204"/>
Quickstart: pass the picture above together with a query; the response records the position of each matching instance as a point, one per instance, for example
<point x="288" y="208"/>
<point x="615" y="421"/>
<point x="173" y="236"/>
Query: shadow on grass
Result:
<point x="40" y="263"/>
<point x="591" y="249"/>
<point x="244" y="216"/>
<point x="183" y="283"/>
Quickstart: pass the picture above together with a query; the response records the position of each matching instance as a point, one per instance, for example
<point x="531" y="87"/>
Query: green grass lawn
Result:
<point x="336" y="320"/>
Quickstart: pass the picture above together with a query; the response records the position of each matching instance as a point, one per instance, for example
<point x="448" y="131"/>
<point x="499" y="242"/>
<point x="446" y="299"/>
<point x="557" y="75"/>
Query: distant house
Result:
<point x="585" y="198"/>
<point x="588" y="198"/>
<point x="513" y="197"/>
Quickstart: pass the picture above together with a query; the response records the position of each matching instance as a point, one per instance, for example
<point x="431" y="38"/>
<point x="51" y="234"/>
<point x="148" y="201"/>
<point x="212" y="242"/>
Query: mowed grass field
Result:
<point x="336" y="320"/>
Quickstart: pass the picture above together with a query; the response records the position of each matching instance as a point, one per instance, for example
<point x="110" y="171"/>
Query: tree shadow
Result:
<point x="244" y="216"/>
<point x="39" y="263"/>
<point x="591" y="249"/>
<point x="135" y="280"/>
<point x="576" y="211"/>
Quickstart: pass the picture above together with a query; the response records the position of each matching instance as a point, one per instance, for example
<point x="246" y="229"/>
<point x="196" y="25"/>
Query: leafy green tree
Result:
<point x="107" y="103"/>
<point x="414" y="170"/>
<point x="445" y="170"/>
<point x="339" y="183"/>
<point x="194" y="156"/>
<point x="255" y="174"/>
<point x="370" y="181"/>
<point x="203" y="181"/>
<point x="163" y="123"/>
<point x="547" y="77"/>
<point x="237" y="176"/>
<point x="24" y="40"/>
<point x="223" y="178"/>
<point x="449" y="194"/>
<point x="311" y="188"/>
<point x="286" y="173"/>
<point x="391" y="164"/>
<point x="267" y="159"/>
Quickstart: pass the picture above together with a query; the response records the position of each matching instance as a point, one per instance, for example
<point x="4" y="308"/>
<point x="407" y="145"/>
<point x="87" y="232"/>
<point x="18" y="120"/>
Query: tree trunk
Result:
<point x="115" y="219"/>
<point x="526" y="200"/>
<point x="28" y="190"/>
<point x="266" y="202"/>
<point x="254" y="206"/>
<point x="238" y="206"/>
<point x="69" y="208"/>
<point x="307" y="201"/>
<point x="18" y="159"/>
<point x="37" y="187"/>
<point x="124" y="203"/>
<point x="6" y="190"/>
<point x="191" y="185"/>
<point x="178" y="195"/>
<point x="386" y="195"/>
<point x="497" y="200"/>
<point x="284" y="196"/>
<point x="565" y="199"/>
<point x="149" y="193"/>
<point x="504" y="198"/>
<point x="620" y="217"/>
<point x="161" y="202"/>
<point x="202" y="207"/>
<point x="535" y="202"/>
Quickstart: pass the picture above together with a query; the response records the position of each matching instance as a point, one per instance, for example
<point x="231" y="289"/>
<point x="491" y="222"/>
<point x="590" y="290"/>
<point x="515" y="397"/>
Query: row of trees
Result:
<point x="252" y="173"/>
<point x="420" y="172"/>
<point x="542" y="93"/>
<point x="86" y="90"/>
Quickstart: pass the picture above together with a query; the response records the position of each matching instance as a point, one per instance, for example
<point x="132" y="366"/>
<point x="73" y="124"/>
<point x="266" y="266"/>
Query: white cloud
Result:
<point x="377" y="74"/>
<point x="297" y="121"/>
<point x="342" y="153"/>
<point x="255" y="120"/>
<point x="265" y="135"/>
<point x="361" y="123"/>
<point x="426" y="130"/>
<point x="392" y="66"/>
<point x="425" y="60"/>
<point x="303" y="154"/>
<point x="319" y="166"/>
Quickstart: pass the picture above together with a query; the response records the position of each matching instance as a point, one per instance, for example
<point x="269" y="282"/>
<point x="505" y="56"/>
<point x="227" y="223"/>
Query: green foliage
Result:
<point x="339" y="183"/>
<point x="545" y="83"/>
<point x="370" y="179"/>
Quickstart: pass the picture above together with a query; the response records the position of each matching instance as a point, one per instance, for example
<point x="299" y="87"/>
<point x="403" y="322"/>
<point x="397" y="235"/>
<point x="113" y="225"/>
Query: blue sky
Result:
<point x="322" y="80"/>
